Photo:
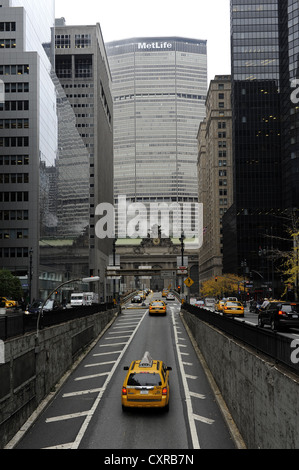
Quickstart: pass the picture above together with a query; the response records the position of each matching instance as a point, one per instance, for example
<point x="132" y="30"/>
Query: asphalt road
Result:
<point x="86" y="412"/>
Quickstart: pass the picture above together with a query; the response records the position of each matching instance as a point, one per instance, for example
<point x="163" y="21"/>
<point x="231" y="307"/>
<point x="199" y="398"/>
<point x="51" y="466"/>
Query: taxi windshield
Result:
<point x="141" y="379"/>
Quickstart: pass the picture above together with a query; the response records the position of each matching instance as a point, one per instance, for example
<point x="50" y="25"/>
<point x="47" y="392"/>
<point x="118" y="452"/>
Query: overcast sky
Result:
<point x="122" y="19"/>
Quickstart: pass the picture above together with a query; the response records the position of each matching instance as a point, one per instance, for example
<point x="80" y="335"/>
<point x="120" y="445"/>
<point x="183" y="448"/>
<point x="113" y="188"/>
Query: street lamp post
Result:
<point x="182" y="259"/>
<point x="85" y="279"/>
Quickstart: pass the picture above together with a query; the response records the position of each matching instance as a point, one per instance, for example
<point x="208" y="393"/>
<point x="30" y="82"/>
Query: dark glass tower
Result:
<point x="262" y="138"/>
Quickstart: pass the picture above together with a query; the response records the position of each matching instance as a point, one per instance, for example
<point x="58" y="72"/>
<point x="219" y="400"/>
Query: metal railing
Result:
<point x="278" y="347"/>
<point x="17" y="323"/>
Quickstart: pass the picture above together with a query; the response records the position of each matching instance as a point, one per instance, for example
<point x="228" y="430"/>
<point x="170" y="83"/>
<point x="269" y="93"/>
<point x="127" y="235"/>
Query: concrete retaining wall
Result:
<point x="261" y="396"/>
<point x="32" y="368"/>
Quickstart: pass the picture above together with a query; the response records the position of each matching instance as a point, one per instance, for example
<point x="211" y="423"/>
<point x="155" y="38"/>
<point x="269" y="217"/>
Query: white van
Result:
<point x="84" y="298"/>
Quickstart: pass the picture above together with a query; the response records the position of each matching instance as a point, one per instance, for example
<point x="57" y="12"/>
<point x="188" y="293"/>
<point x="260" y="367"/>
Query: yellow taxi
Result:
<point x="146" y="384"/>
<point x="157" y="306"/>
<point x="165" y="293"/>
<point x="219" y="305"/>
<point x="9" y="303"/>
<point x="233" y="308"/>
<point x="142" y="294"/>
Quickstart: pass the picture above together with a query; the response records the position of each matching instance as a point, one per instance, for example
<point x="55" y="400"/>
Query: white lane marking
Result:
<point x="203" y="420"/>
<point x="81" y="392"/>
<point x="117" y="337"/>
<point x="99" y="364"/>
<point x="193" y="377"/>
<point x="64" y="417"/>
<point x="193" y="431"/>
<point x="197" y="395"/>
<point x="111" y="344"/>
<point x="85" y="377"/>
<point x="106" y="353"/>
<point x="119" y="332"/>
<point x="61" y="446"/>
<point x="88" y="418"/>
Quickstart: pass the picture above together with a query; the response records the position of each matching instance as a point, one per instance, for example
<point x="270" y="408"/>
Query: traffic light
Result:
<point x="179" y="289"/>
<point x="216" y="278"/>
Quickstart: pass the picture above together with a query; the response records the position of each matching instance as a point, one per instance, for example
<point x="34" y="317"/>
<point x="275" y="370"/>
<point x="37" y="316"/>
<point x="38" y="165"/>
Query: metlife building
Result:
<point x="159" y="93"/>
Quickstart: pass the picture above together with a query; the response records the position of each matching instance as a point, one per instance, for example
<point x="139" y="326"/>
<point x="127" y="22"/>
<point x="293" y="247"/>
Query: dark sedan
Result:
<point x="279" y="315"/>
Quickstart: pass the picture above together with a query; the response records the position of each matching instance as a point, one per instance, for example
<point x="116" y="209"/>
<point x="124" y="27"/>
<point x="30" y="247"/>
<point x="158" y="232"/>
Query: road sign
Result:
<point x="182" y="270"/>
<point x="189" y="282"/>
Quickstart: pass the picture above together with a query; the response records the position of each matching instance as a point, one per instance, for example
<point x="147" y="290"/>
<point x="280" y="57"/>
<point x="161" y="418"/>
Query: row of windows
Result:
<point x="81" y="95"/>
<point x="19" y="215"/>
<point x="63" y="41"/>
<point x="17" y="196"/>
<point x="14" y="69"/>
<point x="14" y="178"/>
<point x="14" y="123"/>
<point x="14" y="160"/>
<point x="14" y="142"/>
<point x="17" y="87"/>
<point x="14" y="106"/>
<point x="13" y="234"/>
<point x="14" y="252"/>
<point x="7" y="26"/>
<point x="8" y="44"/>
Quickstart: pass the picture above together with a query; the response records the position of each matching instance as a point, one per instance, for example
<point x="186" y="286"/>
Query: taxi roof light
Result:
<point x="146" y="361"/>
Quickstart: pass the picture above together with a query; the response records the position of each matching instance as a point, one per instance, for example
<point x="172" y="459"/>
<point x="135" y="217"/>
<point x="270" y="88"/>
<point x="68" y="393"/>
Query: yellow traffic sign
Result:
<point x="189" y="282"/>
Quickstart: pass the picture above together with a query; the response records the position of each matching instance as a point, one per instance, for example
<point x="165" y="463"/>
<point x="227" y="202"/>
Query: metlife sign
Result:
<point x="156" y="45"/>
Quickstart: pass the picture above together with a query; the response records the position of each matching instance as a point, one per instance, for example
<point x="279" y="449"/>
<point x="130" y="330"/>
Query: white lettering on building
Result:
<point x="155" y="45"/>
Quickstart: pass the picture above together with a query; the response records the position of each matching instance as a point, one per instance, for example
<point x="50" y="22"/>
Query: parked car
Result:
<point x="199" y="303"/>
<point x="279" y="315"/>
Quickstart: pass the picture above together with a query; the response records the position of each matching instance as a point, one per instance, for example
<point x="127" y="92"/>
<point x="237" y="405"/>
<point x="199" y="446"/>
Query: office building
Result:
<point x="289" y="57"/>
<point x="82" y="68"/>
<point x="159" y="92"/>
<point x="264" y="38"/>
<point x="28" y="130"/>
<point x="215" y="173"/>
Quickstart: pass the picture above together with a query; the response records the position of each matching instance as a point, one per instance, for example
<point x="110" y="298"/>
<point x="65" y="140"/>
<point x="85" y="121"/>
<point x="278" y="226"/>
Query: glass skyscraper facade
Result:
<point x="28" y="129"/>
<point x="263" y="45"/>
<point x="159" y="92"/>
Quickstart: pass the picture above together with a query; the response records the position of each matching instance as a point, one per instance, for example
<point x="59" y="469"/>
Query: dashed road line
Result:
<point x="203" y="420"/>
<point x="64" y="417"/>
<point x="191" y="420"/>
<point x="86" y="377"/>
<point x="197" y="395"/>
<point x="81" y="392"/>
<point x="96" y="364"/>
